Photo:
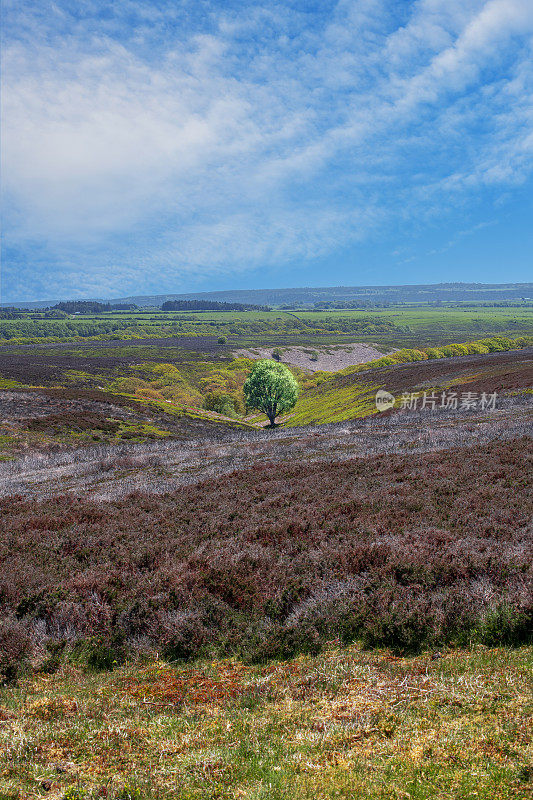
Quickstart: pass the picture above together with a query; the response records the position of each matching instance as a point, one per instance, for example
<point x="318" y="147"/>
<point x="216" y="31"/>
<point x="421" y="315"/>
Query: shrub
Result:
<point x="504" y="625"/>
<point x="221" y="403"/>
<point x="105" y="653"/>
<point x="15" y="649"/>
<point x="434" y="352"/>
<point x="183" y="635"/>
<point x="477" y="348"/>
<point x="393" y="550"/>
<point x="53" y="661"/>
<point x="276" y="641"/>
<point x="402" y="356"/>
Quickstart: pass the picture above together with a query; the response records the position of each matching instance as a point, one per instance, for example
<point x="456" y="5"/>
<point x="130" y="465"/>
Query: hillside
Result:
<point x="332" y="397"/>
<point x="277" y="559"/>
<point x="193" y="607"/>
<point x="440" y="292"/>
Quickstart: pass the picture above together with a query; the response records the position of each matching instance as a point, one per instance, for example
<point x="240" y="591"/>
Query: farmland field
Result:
<point x="248" y="326"/>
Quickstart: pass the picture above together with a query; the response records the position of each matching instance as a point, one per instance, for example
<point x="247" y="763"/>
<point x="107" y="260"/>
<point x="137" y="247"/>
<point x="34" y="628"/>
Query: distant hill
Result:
<point x="309" y="296"/>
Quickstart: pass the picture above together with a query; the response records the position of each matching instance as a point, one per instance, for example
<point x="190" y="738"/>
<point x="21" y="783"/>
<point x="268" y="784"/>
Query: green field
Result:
<point x="400" y="324"/>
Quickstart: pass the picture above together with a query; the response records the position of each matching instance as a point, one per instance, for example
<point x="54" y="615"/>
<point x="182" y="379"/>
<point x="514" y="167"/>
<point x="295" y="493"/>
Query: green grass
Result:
<point x="412" y="315"/>
<point x="422" y="316"/>
<point x="338" y="396"/>
<point x="334" y="404"/>
<point x="345" y="724"/>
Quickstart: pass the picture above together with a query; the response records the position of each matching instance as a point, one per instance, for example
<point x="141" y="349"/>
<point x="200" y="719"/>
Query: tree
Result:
<point x="271" y="388"/>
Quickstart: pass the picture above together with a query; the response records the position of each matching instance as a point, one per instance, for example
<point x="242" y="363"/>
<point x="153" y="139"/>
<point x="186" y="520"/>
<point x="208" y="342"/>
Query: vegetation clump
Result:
<point x="494" y="344"/>
<point x="222" y="403"/>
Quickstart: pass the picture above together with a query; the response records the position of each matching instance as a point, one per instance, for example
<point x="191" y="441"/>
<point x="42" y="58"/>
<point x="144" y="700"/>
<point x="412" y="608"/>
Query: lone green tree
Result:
<point x="271" y="388"/>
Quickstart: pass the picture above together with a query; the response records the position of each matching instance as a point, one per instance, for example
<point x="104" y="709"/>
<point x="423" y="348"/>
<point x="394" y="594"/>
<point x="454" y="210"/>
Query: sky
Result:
<point x="160" y="146"/>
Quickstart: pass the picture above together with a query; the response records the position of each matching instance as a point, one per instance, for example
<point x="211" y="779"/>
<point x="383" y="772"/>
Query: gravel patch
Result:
<point x="320" y="359"/>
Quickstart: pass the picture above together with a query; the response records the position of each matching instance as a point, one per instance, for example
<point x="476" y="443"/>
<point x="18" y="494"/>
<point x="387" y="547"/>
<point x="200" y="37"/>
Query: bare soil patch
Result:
<point x="328" y="358"/>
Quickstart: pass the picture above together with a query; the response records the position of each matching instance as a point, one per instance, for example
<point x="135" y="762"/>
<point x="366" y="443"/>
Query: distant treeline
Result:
<point x="209" y="305"/>
<point x="25" y="329"/>
<point x="91" y="307"/>
<point x="446" y="304"/>
<point x="337" y="305"/>
<point x="10" y="313"/>
<point x="54" y="327"/>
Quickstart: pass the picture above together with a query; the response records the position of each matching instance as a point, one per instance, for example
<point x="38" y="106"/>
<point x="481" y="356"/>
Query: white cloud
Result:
<point x="257" y="137"/>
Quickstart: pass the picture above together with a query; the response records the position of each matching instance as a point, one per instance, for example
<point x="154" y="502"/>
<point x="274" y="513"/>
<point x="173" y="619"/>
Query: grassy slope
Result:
<point x="345" y="724"/>
<point x="266" y="562"/>
<point x="120" y="369"/>
<point x="350" y="393"/>
<point x="180" y="384"/>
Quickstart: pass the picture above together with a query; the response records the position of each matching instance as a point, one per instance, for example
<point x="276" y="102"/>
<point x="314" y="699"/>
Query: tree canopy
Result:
<point x="271" y="388"/>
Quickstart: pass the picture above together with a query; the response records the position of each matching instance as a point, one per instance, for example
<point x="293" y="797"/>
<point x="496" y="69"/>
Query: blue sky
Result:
<point x="185" y="145"/>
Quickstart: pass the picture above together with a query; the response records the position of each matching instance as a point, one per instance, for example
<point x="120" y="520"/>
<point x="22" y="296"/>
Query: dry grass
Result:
<point x="345" y="724"/>
<point x="208" y="450"/>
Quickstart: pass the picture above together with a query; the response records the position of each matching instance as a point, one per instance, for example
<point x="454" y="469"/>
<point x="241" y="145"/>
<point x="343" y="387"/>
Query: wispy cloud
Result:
<point x="156" y="142"/>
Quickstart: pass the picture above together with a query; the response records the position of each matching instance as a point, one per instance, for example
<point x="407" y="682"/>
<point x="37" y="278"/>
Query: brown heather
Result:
<point x="405" y="551"/>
